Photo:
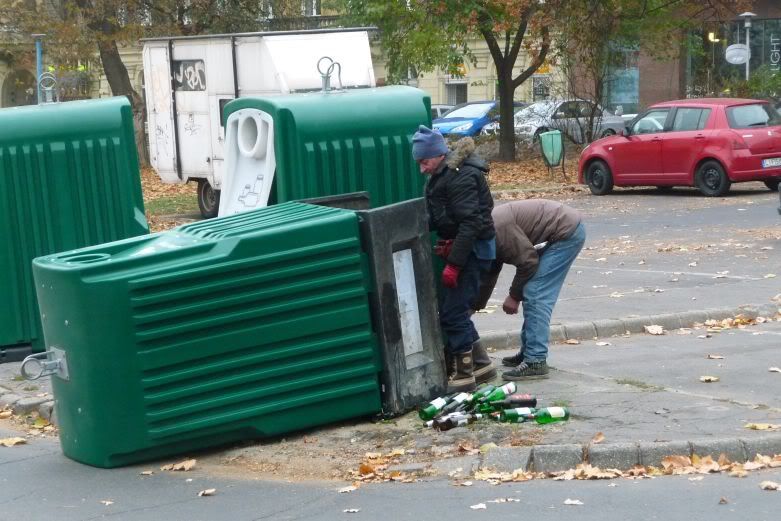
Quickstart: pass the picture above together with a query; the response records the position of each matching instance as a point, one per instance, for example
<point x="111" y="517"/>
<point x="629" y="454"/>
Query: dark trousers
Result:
<point x="455" y="306"/>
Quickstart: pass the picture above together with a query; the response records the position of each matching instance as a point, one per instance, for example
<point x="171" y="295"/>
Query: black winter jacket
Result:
<point x="459" y="201"/>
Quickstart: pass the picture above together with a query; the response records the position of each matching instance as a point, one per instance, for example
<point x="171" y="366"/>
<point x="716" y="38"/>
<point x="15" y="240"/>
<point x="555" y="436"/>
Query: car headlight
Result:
<point x="461" y="128"/>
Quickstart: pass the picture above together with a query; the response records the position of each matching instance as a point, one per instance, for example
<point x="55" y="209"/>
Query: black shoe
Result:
<point x="513" y="361"/>
<point x="527" y="371"/>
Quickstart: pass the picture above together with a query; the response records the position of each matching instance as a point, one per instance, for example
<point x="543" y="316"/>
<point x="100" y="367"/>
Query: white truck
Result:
<point x="188" y="80"/>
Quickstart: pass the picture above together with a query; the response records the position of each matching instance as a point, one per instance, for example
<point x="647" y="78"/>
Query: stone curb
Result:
<point x="624" y="456"/>
<point x="613" y="327"/>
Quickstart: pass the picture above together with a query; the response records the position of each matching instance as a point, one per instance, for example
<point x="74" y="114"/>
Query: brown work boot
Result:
<point x="463" y="379"/>
<point x="450" y="364"/>
<point x="484" y="368"/>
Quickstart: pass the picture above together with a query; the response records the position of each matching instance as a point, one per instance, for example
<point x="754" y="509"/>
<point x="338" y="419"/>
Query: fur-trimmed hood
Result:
<point x="462" y="153"/>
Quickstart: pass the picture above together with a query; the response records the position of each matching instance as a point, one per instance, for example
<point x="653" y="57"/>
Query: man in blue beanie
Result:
<point x="459" y="207"/>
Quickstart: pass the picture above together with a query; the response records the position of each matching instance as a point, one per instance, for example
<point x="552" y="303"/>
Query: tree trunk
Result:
<point x="119" y="81"/>
<point x="506" y="113"/>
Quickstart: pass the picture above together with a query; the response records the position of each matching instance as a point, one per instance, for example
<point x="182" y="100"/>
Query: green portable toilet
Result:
<point x="68" y="178"/>
<point x="246" y="326"/>
<point x="301" y="146"/>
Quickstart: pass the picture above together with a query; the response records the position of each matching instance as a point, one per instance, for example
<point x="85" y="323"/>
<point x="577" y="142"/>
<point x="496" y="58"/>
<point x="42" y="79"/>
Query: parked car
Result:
<point x="706" y="143"/>
<point x="468" y="119"/>
<point x="493" y="127"/>
<point x="569" y="116"/>
<point x="438" y="111"/>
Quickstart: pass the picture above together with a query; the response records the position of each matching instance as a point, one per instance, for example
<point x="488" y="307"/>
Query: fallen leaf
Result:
<point x="107" y="502"/>
<point x="707" y="335"/>
<point x="6" y="414"/>
<point x="616" y="294"/>
<point x="604" y="344"/>
<point x="709" y="379"/>
<point x="10" y="442"/>
<point x="762" y="426"/>
<point x="775" y="369"/>
<point x="770" y="276"/>
<point x="466" y="484"/>
<point x="692" y="264"/>
<point x="569" y="501"/>
<point x="365" y="469"/>
<point x="351" y="510"/>
<point x="146" y="473"/>
<point x="184" y="466"/>
<point x="345" y="490"/>
<point x="696" y="478"/>
<point x="572" y="341"/>
<point x="598" y="438"/>
<point x="601" y="259"/>
<point x="723" y="501"/>
<point x="207" y="492"/>
<point x="714" y="357"/>
<point x="479" y="506"/>
<point x="397" y="452"/>
<point x="770" y="485"/>
<point x="654" y="330"/>
<point x="373" y="455"/>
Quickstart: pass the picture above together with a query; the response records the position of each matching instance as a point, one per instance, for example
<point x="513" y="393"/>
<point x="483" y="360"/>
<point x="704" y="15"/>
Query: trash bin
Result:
<point x="69" y="178"/>
<point x="300" y="146"/>
<point x="232" y="328"/>
<point x="552" y="144"/>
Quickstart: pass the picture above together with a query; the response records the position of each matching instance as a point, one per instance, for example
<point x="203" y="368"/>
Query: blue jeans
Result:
<point x="542" y="291"/>
<point x="455" y="306"/>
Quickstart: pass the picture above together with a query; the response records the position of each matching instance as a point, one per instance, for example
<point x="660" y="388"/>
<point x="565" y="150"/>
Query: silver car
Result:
<point x="569" y="116"/>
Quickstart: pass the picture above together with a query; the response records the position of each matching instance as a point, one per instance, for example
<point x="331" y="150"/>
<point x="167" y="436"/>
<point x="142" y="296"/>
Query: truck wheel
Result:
<point x="208" y="199"/>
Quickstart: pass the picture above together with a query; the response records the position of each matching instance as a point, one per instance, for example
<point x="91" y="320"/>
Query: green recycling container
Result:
<point x="340" y="142"/>
<point x="246" y="326"/>
<point x="69" y="178"/>
<point x="552" y="144"/>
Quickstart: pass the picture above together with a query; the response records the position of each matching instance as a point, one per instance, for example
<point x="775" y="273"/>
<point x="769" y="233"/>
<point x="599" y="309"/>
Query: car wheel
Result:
<point x="208" y="199"/>
<point x="607" y="133"/>
<point x="598" y="178"/>
<point x="772" y="184"/>
<point x="711" y="179"/>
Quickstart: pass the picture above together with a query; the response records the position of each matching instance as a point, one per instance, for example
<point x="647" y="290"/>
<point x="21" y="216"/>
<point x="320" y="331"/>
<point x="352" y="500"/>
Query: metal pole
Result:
<point x="38" y="65"/>
<point x="747" y="25"/>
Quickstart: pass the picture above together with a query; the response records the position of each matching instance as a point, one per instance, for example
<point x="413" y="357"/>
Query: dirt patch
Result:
<point x="399" y="449"/>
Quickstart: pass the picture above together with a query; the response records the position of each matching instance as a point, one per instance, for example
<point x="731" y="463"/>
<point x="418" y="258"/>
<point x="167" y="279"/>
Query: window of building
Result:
<point x="456" y="93"/>
<point x="540" y="87"/>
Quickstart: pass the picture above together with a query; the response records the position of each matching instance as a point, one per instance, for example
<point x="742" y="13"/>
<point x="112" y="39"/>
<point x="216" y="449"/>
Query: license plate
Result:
<point x="772" y="162"/>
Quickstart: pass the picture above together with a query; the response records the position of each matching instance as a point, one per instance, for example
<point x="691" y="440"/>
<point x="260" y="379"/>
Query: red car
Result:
<point x="706" y="143"/>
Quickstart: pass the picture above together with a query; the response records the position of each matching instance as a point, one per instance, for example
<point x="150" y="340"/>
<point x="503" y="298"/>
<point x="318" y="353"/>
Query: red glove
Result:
<point x="450" y="276"/>
<point x="443" y="248"/>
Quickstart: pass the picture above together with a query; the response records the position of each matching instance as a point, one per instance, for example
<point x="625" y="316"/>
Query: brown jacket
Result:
<point x="519" y="226"/>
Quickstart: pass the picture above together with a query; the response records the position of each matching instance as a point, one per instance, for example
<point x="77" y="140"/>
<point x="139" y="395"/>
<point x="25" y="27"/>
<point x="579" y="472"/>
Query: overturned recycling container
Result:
<point x="69" y="178"/>
<point x="300" y="146"/>
<point x="247" y="326"/>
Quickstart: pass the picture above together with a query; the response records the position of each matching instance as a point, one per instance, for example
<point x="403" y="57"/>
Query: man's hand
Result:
<point x="450" y="276"/>
<point x="443" y="247"/>
<point x="510" y="305"/>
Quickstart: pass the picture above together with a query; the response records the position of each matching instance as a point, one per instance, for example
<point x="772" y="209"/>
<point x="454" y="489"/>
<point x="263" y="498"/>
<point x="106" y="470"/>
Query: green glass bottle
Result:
<point x="456" y="403"/>
<point x="433" y="408"/>
<point x="550" y="415"/>
<point x="500" y="393"/>
<point x="517" y="415"/>
<point x="481" y="392"/>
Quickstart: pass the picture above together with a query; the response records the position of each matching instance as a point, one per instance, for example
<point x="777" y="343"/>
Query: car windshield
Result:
<point x="473" y="110"/>
<point x="755" y="115"/>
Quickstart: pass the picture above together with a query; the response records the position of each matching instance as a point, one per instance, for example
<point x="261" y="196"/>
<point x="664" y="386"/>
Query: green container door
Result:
<point x="251" y="325"/>
<point x="69" y="178"/>
<point x="324" y="144"/>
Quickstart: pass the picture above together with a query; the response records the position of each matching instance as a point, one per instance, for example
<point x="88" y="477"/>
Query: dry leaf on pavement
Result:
<point x="775" y="369"/>
<point x="479" y="506"/>
<point x="714" y="357"/>
<point x="6" y="414"/>
<point x="654" y="330"/>
<point x="351" y="510"/>
<point x="762" y="426"/>
<point x="572" y="341"/>
<point x="146" y="473"/>
<point x="569" y="501"/>
<point x="601" y="344"/>
<point x="345" y="490"/>
<point x="598" y="438"/>
<point x="10" y="442"/>
<point x="184" y="466"/>
<point x="207" y="492"/>
<point x="723" y="501"/>
<point x="709" y="379"/>
<point x="770" y="485"/>
<point x="107" y="502"/>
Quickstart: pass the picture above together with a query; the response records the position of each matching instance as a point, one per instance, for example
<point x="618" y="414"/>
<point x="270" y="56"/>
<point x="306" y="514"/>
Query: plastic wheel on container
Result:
<point x="711" y="179"/>
<point x="208" y="199"/>
<point x="772" y="184"/>
<point x="598" y="178"/>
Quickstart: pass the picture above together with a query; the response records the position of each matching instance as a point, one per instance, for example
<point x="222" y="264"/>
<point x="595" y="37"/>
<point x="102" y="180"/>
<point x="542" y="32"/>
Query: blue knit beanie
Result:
<point x="427" y="143"/>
